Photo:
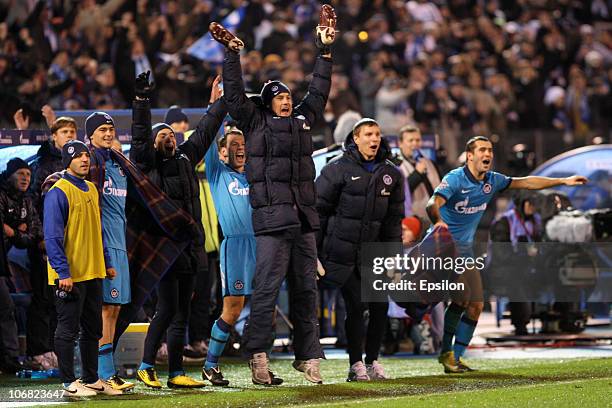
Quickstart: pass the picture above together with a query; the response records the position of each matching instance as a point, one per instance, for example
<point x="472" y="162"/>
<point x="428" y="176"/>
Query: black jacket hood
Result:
<point x="350" y="148"/>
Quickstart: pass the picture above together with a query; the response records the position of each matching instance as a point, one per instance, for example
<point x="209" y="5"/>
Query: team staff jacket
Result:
<point x="357" y="202"/>
<point x="17" y="208"/>
<point x="48" y="161"/>
<point x="73" y="231"/>
<point x="280" y="169"/>
<point x="176" y="176"/>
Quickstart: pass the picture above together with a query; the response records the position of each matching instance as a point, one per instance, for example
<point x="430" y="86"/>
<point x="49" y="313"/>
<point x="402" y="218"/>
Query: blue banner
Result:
<point x="208" y="49"/>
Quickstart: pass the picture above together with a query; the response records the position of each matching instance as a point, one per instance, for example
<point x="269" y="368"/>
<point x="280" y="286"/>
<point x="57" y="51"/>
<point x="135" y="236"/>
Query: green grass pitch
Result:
<point x="415" y="383"/>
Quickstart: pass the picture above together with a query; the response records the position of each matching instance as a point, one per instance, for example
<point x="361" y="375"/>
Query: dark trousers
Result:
<point x="520" y="314"/>
<point x="354" y="323"/>
<point x="199" y="320"/>
<point x="172" y="314"/>
<point x="8" y="324"/>
<point x="86" y="313"/>
<point x="42" y="319"/>
<point x="290" y="254"/>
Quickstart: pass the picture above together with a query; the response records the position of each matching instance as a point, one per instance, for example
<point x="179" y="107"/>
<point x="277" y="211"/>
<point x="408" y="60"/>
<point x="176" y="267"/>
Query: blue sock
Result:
<point x="66" y="385"/>
<point x="451" y="319"/>
<point x="175" y="374"/>
<point x="106" y="365"/>
<point x="144" y="366"/>
<point x="218" y="337"/>
<point x="463" y="336"/>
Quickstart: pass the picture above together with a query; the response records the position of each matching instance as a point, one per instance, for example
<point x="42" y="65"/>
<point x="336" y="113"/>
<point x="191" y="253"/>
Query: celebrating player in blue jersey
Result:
<point x="230" y="191"/>
<point x="458" y="204"/>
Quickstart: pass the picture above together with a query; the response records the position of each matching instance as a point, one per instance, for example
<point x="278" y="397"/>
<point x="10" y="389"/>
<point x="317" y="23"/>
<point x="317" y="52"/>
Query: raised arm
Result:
<point x="313" y="104"/>
<point x="204" y="134"/>
<point x="539" y="183"/>
<point x="239" y="106"/>
<point x="142" y="152"/>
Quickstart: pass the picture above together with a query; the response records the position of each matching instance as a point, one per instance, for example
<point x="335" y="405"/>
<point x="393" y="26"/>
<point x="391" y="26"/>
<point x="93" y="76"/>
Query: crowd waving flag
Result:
<point x="210" y="50"/>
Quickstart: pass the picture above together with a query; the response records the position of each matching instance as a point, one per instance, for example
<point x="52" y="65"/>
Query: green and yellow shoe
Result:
<point x="149" y="378"/>
<point x="450" y="364"/>
<point x="183" y="381"/>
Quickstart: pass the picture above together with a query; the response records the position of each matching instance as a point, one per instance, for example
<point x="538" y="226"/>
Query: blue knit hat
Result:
<point x="71" y="150"/>
<point x="95" y="120"/>
<point x="272" y="89"/>
<point x="159" y="126"/>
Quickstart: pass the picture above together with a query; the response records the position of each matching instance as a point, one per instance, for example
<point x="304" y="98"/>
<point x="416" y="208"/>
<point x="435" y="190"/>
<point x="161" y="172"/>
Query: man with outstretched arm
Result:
<point x="458" y="204"/>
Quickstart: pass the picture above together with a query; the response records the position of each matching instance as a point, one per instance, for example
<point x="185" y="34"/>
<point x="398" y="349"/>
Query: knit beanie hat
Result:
<point x="95" y="120"/>
<point x="272" y="89"/>
<point x="71" y="150"/>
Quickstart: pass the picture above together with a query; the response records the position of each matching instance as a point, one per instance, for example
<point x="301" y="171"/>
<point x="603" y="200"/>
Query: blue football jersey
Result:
<point x="467" y="199"/>
<point x="114" y="194"/>
<point x="230" y="192"/>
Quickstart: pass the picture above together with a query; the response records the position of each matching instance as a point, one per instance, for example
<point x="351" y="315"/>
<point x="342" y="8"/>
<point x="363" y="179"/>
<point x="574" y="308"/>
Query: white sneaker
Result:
<point x="78" y="389"/>
<point x="310" y="368"/>
<point x="376" y="371"/>
<point x="102" y="387"/>
<point x="358" y="372"/>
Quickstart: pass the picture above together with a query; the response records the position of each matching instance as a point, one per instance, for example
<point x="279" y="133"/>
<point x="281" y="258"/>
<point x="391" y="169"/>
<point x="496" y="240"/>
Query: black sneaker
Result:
<point x="275" y="380"/>
<point x="214" y="376"/>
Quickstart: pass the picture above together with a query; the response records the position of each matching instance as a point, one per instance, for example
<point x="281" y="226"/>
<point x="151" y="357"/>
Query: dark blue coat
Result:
<point x="356" y="206"/>
<point x="279" y="166"/>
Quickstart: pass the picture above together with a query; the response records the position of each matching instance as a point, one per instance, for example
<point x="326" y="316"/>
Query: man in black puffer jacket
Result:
<point x="360" y="199"/>
<point x="172" y="168"/>
<point x="280" y="172"/>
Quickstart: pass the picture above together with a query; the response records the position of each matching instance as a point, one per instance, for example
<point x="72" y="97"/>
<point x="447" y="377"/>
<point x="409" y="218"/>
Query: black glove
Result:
<point x="142" y="86"/>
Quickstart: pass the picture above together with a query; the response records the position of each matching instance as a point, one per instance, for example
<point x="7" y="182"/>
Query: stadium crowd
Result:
<point x="451" y="66"/>
<point x="455" y="68"/>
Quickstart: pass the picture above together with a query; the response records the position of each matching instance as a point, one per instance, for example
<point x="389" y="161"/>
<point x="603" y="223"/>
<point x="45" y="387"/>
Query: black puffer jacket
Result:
<point x="48" y="161"/>
<point x="176" y="176"/>
<point x="17" y="208"/>
<point x="279" y="168"/>
<point x="356" y="206"/>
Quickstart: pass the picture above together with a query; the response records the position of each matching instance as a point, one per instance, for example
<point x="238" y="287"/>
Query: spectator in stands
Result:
<point x="9" y="342"/>
<point x="178" y="121"/>
<point x="421" y="174"/>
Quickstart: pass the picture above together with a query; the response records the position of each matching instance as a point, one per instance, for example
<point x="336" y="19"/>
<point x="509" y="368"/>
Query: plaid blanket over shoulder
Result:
<point x="157" y="230"/>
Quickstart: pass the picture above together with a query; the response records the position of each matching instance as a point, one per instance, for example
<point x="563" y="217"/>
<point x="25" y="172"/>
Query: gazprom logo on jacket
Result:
<point x="235" y="189"/>
<point x="112" y="191"/>
<point x="462" y="207"/>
